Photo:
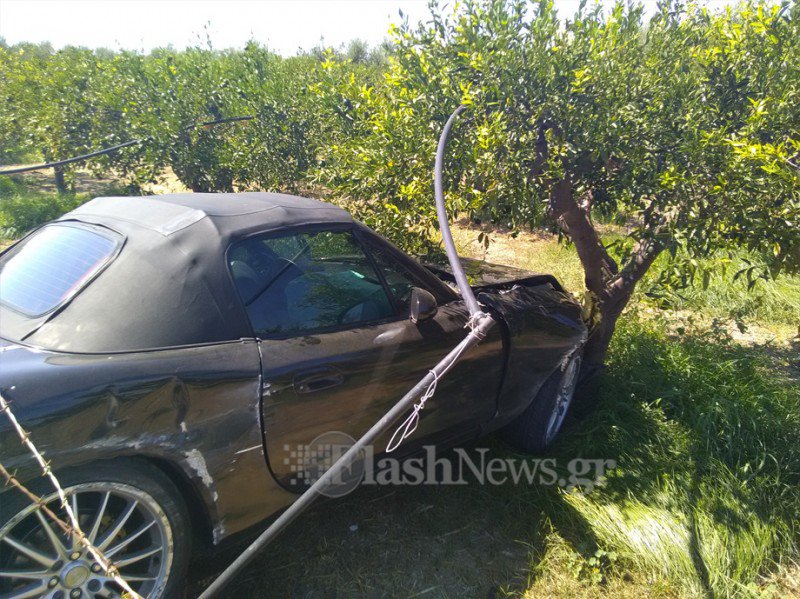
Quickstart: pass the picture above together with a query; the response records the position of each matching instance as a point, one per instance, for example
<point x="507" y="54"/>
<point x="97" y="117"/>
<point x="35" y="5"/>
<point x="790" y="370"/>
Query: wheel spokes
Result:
<point x="129" y="539"/>
<point x="73" y="500"/>
<point x="107" y="591"/>
<point x="117" y="521"/>
<point x="136" y="578"/>
<point x="109" y="536"/>
<point x="55" y="540"/>
<point x="99" y="518"/>
<point x="26" y="574"/>
<point x="137" y="557"/>
<point x="30" y="552"/>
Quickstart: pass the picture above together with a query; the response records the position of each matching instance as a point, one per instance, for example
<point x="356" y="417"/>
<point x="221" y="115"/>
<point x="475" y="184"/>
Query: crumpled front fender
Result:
<point x="543" y="328"/>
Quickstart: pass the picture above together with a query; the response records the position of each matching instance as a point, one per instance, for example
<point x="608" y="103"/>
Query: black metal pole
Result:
<point x="82" y="157"/>
<point x="104" y="151"/>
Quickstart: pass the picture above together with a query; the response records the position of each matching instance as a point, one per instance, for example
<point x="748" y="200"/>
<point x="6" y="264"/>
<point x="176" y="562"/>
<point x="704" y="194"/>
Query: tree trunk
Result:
<point x="600" y="334"/>
<point x="58" y="174"/>
<point x="610" y="288"/>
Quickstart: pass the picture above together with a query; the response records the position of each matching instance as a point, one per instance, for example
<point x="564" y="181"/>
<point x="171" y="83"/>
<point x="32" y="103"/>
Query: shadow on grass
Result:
<point x="706" y="436"/>
<point x="467" y="540"/>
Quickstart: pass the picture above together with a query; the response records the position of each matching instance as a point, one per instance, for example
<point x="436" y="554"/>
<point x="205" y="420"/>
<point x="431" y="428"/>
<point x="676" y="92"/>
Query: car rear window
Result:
<point x="51" y="266"/>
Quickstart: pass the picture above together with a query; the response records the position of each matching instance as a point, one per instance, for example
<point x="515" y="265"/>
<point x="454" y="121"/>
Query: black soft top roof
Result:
<point x="169" y="285"/>
<point x="228" y="213"/>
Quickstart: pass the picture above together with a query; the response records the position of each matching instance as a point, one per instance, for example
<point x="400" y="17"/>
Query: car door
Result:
<point x="330" y="309"/>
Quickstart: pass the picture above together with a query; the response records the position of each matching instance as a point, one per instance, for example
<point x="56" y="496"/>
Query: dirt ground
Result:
<point x="85" y="181"/>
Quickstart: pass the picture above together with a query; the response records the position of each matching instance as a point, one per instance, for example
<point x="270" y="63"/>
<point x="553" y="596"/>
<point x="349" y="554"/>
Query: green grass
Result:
<point x="29" y="201"/>
<point x="708" y="438"/>
<point x="22" y="208"/>
<point x="770" y="304"/>
<point x="705" y="431"/>
<point x="775" y="301"/>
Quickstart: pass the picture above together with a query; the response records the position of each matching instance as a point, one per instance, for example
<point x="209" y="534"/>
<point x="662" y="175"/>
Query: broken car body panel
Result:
<point x="193" y="411"/>
<point x="484" y="275"/>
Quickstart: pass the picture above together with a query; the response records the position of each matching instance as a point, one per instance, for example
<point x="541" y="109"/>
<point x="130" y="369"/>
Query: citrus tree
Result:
<point x="171" y="98"/>
<point x="683" y="126"/>
<point x="47" y="101"/>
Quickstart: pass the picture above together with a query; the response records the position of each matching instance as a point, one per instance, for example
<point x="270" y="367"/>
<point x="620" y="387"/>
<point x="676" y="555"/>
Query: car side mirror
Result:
<point x="423" y="305"/>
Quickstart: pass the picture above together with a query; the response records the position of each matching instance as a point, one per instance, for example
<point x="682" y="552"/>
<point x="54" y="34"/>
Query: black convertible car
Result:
<point x="166" y="353"/>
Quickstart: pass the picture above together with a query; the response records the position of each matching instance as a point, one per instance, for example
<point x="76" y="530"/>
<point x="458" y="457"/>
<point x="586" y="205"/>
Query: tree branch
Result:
<point x="644" y="254"/>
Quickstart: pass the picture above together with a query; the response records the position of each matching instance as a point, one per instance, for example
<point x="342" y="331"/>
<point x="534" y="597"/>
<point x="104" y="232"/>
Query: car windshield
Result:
<point x="51" y="266"/>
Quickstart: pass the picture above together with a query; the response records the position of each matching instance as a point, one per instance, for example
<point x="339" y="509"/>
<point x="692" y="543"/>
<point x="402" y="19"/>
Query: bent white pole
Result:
<point x="480" y="323"/>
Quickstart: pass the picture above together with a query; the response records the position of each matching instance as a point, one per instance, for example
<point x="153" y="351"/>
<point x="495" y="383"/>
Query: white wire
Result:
<point x="409" y="425"/>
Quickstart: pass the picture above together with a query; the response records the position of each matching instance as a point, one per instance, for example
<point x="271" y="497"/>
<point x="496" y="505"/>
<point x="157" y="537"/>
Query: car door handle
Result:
<point x="318" y="380"/>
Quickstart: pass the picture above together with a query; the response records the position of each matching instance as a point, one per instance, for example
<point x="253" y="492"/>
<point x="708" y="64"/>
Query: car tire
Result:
<point x="151" y="546"/>
<point x="535" y="430"/>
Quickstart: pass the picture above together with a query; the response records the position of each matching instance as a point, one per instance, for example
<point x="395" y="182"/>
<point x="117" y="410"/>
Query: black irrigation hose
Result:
<point x="37" y="167"/>
<point x="444" y="226"/>
<point x="133" y="142"/>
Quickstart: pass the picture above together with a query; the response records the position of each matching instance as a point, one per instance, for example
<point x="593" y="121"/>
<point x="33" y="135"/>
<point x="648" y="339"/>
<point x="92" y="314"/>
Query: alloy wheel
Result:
<point x="37" y="559"/>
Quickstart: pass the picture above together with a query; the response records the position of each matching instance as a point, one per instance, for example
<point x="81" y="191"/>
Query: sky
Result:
<point x="282" y="25"/>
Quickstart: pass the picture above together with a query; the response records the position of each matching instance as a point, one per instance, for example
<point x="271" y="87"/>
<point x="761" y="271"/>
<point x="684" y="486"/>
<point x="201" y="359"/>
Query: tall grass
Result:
<point x="706" y="433"/>
<point x="769" y="301"/>
<point x="704" y="499"/>
<point x="707" y="437"/>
